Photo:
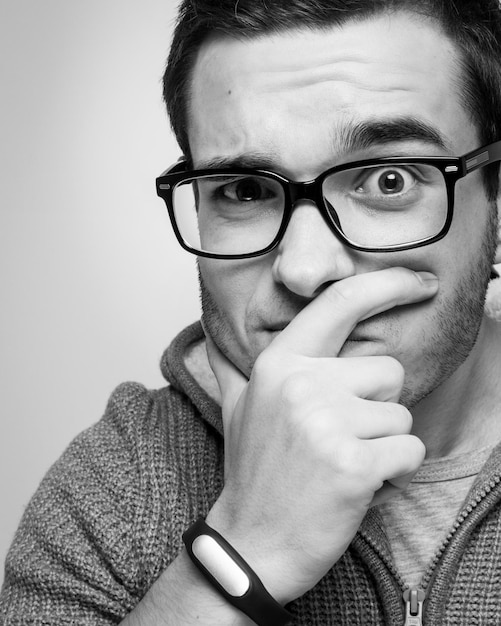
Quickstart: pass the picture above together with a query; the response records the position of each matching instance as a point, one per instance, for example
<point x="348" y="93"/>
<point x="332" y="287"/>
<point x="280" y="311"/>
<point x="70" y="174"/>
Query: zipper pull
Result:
<point x="414" y="599"/>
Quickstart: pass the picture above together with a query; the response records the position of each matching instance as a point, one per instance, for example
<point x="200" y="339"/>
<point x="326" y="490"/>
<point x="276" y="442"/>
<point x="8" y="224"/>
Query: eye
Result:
<point x="387" y="181"/>
<point x="391" y="182"/>
<point x="246" y="190"/>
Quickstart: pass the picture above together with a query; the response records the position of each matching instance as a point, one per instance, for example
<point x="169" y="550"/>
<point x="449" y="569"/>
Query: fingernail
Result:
<point x="427" y="279"/>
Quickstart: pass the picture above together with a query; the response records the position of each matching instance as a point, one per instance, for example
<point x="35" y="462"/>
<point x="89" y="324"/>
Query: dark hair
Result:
<point x="474" y="26"/>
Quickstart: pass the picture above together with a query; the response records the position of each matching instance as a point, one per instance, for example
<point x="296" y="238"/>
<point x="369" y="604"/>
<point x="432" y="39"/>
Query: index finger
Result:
<point x="322" y="327"/>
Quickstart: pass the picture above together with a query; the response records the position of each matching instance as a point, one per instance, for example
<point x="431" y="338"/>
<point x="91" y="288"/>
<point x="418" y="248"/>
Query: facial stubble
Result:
<point x="456" y="324"/>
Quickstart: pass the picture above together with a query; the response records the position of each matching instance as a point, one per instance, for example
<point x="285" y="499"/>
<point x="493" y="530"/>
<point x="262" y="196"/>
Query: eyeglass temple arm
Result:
<point x="482" y="157"/>
<point x="178" y="166"/>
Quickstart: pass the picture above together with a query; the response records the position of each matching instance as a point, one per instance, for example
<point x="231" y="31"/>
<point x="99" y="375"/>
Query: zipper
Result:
<point x="414" y="599"/>
<point x="463" y="515"/>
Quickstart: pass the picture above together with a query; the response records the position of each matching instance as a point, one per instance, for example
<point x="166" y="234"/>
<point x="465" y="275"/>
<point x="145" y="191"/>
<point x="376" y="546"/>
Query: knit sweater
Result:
<point x="108" y="519"/>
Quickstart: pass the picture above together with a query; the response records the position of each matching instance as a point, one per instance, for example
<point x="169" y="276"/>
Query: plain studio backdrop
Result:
<point x="93" y="283"/>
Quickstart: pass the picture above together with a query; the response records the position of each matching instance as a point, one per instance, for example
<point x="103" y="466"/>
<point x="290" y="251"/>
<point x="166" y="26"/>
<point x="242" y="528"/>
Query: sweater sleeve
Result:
<point x="76" y="558"/>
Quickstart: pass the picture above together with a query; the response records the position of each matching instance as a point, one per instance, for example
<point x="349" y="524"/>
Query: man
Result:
<point x="359" y="474"/>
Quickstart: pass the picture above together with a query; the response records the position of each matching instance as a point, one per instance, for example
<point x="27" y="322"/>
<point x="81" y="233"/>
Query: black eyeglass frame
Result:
<point x="452" y="169"/>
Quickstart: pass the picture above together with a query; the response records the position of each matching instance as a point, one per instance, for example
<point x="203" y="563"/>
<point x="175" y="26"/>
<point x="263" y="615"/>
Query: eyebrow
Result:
<point x="371" y="133"/>
<point x="251" y="160"/>
<point x="351" y="138"/>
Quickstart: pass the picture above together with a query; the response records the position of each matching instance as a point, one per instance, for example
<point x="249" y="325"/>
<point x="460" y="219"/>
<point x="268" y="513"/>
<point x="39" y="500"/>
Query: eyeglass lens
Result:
<point x="372" y="206"/>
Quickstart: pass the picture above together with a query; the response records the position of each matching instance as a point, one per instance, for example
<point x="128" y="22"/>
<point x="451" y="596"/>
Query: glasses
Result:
<point x="374" y="205"/>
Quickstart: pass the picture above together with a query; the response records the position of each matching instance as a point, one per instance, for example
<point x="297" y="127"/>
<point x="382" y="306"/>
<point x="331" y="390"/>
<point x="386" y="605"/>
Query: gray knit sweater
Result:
<point x="108" y="518"/>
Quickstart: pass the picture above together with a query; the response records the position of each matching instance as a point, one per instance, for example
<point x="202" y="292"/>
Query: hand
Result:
<point x="312" y="440"/>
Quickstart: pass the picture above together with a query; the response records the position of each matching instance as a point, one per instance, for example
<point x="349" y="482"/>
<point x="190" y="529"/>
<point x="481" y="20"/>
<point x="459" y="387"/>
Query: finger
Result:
<point x="383" y="494"/>
<point x="390" y="489"/>
<point x="378" y="420"/>
<point x="378" y="378"/>
<point x="231" y="381"/>
<point x="398" y="458"/>
<point x="322" y="327"/>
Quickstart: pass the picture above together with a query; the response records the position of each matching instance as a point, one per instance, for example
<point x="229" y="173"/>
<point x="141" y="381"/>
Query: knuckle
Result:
<point x="400" y="415"/>
<point x="353" y="457"/>
<point x="409" y="455"/>
<point x="418" y="448"/>
<point x="405" y="416"/>
<point x="296" y="387"/>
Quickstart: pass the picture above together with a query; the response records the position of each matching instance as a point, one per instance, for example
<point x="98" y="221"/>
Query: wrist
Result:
<point x="274" y="561"/>
<point x="232" y="576"/>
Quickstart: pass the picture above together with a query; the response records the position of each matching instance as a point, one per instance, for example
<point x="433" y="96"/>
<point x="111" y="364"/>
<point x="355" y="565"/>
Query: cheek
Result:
<point x="231" y="285"/>
<point x="231" y="290"/>
<point x="468" y="241"/>
<point x="463" y="249"/>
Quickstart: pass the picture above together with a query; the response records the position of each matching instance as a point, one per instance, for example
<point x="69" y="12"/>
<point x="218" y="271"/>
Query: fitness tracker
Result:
<point x="232" y="576"/>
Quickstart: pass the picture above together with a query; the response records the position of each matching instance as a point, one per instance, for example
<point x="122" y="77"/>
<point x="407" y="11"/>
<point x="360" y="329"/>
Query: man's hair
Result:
<point x="474" y="26"/>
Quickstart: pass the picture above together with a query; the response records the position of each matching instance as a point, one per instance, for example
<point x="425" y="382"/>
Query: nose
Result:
<point x="310" y="257"/>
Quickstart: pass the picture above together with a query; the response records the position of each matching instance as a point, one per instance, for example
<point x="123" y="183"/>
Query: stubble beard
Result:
<point x="457" y="321"/>
<point x="457" y="324"/>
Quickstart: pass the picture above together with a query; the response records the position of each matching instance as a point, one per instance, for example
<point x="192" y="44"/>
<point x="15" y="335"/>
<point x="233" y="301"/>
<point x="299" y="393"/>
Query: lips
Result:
<point x="276" y="326"/>
<point x="354" y="336"/>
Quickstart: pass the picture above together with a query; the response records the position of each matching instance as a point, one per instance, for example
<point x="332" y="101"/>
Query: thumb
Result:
<point x="231" y="381"/>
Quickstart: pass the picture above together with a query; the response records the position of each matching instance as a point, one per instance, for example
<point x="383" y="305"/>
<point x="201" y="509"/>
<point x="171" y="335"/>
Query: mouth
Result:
<point x="275" y="327"/>
<point x="358" y="344"/>
<point x="356" y="335"/>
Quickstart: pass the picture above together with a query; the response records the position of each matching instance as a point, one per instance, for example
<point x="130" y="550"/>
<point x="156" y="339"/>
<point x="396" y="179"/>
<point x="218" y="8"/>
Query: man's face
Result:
<point x="290" y="101"/>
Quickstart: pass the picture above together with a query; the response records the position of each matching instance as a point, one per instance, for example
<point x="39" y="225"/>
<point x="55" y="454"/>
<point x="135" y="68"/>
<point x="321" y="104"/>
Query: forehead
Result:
<point x="304" y="90"/>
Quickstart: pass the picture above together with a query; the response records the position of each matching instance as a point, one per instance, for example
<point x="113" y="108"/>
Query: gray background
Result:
<point x="93" y="285"/>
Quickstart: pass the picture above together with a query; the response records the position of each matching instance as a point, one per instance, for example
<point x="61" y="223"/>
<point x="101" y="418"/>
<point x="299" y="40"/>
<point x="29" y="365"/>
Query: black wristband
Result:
<point x="232" y="576"/>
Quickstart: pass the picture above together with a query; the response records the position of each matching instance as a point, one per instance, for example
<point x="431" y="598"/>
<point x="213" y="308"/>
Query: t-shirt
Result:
<point x="419" y="518"/>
